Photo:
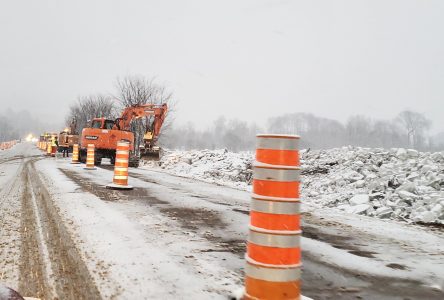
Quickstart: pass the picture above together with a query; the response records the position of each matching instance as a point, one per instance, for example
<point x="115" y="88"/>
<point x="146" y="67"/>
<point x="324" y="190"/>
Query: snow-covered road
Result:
<point x="178" y="238"/>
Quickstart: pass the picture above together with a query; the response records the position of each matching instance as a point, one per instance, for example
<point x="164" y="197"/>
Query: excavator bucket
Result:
<point x="150" y="153"/>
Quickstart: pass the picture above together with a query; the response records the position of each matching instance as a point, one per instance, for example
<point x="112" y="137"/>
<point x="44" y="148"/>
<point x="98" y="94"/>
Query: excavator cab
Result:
<point x="97" y="123"/>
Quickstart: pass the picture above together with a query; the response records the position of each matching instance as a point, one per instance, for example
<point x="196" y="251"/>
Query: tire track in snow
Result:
<point x="65" y="275"/>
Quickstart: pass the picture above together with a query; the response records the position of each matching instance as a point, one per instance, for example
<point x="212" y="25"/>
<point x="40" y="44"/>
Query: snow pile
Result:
<point x="215" y="166"/>
<point x="397" y="183"/>
<point x="401" y="184"/>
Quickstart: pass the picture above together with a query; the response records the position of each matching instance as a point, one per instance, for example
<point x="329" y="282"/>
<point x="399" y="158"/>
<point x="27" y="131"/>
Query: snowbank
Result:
<point x="401" y="184"/>
<point x="214" y="166"/>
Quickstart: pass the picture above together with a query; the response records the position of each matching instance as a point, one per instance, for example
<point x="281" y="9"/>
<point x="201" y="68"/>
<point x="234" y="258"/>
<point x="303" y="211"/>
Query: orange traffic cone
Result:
<point x="120" y="179"/>
<point x="273" y="268"/>
<point x="90" y="157"/>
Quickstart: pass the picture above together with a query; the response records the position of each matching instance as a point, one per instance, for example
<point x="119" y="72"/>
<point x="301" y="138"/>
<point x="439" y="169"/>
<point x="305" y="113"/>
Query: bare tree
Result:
<point x="358" y="130"/>
<point x="136" y="90"/>
<point x="415" y="125"/>
<point x="88" y="107"/>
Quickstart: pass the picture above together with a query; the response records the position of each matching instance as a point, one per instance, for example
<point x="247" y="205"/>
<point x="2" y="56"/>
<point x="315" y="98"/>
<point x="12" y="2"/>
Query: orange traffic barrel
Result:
<point x="120" y="178"/>
<point x="48" y="149"/>
<point x="75" y="154"/>
<point x="278" y="149"/>
<point x="53" y="150"/>
<point x="273" y="260"/>
<point x="90" y="157"/>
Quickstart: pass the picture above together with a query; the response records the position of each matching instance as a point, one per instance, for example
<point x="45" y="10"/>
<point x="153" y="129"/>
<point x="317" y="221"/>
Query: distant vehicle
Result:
<point x="68" y="137"/>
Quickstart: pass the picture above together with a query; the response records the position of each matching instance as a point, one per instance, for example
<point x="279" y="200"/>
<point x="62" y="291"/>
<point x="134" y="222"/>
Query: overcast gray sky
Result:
<point x="248" y="59"/>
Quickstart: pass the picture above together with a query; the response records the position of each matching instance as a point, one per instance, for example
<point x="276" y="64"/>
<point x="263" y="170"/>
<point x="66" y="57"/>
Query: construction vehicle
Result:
<point x="105" y="133"/>
<point x="68" y="137"/>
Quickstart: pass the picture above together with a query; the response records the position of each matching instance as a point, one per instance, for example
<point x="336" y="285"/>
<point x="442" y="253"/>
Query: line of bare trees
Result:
<point x="409" y="130"/>
<point x="129" y="91"/>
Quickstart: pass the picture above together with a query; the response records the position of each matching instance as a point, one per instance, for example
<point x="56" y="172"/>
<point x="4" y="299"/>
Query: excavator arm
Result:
<point x="152" y="130"/>
<point x="136" y="112"/>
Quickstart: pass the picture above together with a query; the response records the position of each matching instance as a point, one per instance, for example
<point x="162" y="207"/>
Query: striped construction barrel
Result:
<point x="48" y="149"/>
<point x="90" y="153"/>
<point x="277" y="149"/>
<point x="121" y="164"/>
<point x="273" y="266"/>
<point x="75" y="154"/>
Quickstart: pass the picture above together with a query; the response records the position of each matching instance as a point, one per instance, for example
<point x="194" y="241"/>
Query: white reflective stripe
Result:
<point x="121" y="160"/>
<point x="259" y="164"/>
<point x="122" y="152"/>
<point x="275" y="207"/>
<point x="120" y="169"/>
<point x="255" y="262"/>
<point x="120" y="177"/>
<point x="274" y="240"/>
<point x="273" y="174"/>
<point x="260" y="197"/>
<point x="273" y="274"/>
<point x="90" y="145"/>
<point x="276" y="143"/>
<point x="254" y="228"/>
<point x="122" y="144"/>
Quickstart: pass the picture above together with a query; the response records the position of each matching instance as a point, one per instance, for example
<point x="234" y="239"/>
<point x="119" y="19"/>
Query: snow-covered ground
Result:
<point x="401" y="184"/>
<point x="176" y="237"/>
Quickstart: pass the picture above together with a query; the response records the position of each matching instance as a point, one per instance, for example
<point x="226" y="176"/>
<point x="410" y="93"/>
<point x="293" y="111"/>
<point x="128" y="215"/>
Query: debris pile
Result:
<point x="215" y="166"/>
<point x="401" y="184"/>
<point x="398" y="183"/>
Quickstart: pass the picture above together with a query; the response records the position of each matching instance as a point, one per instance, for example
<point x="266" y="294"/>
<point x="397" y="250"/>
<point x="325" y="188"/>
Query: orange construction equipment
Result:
<point x="273" y="267"/>
<point x="68" y="137"/>
<point x="90" y="158"/>
<point x="120" y="179"/>
<point x="105" y="134"/>
<point x="75" y="154"/>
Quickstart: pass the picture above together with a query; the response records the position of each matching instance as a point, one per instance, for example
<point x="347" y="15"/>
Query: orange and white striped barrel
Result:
<point x="273" y="268"/>
<point x="75" y="154"/>
<point x="120" y="178"/>
<point x="53" y="150"/>
<point x="90" y="157"/>
<point x="48" y="149"/>
<point x="278" y="149"/>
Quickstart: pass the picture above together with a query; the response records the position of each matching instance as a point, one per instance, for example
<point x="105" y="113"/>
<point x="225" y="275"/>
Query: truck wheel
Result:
<point x="133" y="163"/>
<point x="98" y="162"/>
<point x="82" y="157"/>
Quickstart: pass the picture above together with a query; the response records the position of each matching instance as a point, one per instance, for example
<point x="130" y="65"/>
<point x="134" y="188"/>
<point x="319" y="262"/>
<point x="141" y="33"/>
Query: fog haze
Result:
<point x="244" y="59"/>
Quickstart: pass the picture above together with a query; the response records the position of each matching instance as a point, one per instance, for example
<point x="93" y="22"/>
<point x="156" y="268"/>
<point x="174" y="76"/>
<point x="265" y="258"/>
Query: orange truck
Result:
<point x="105" y="133"/>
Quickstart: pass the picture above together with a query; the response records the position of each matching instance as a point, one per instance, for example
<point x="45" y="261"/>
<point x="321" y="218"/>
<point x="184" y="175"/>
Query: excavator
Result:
<point x="105" y="133"/>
